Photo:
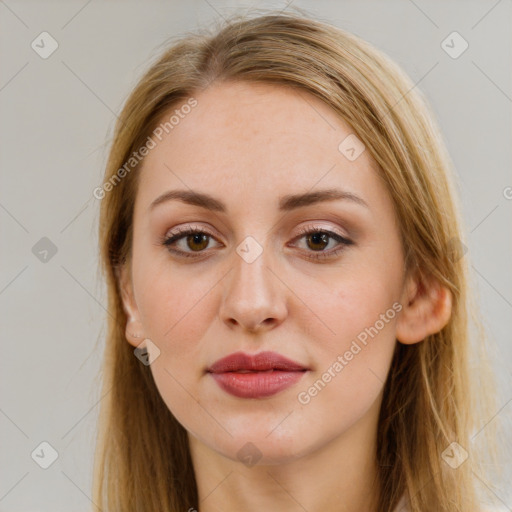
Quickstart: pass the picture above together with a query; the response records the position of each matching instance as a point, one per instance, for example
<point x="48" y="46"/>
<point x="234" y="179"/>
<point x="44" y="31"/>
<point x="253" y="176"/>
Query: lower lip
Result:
<point x="256" y="384"/>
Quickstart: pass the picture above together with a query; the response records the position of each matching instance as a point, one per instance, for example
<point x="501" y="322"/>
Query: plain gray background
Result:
<point x="57" y="116"/>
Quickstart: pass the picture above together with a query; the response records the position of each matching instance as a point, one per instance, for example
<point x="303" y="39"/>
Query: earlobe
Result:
<point x="427" y="308"/>
<point x="133" y="331"/>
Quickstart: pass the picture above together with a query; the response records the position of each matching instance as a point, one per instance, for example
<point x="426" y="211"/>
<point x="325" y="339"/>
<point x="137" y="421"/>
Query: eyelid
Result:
<point x="171" y="237"/>
<point x="342" y="243"/>
<point x="305" y="230"/>
<point x="186" y="229"/>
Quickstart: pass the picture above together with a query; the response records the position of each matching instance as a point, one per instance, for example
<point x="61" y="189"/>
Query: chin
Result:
<point x="255" y="446"/>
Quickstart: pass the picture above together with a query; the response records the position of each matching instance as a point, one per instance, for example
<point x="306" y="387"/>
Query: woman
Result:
<point x="287" y="289"/>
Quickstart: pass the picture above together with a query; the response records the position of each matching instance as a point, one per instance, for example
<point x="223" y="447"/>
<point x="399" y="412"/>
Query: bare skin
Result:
<point x="249" y="145"/>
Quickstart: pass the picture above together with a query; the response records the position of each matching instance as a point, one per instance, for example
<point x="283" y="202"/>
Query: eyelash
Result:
<point x="166" y="241"/>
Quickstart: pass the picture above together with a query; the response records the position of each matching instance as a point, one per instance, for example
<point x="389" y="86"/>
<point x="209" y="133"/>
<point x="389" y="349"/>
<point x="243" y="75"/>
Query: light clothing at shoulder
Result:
<point x="403" y="506"/>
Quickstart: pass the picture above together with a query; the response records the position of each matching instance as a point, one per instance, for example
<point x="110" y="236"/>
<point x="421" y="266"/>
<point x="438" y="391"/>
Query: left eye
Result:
<point x="318" y="239"/>
<point x="197" y="240"/>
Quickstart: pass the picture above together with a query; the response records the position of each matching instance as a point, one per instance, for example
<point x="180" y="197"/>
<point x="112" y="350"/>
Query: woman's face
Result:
<point x="254" y="280"/>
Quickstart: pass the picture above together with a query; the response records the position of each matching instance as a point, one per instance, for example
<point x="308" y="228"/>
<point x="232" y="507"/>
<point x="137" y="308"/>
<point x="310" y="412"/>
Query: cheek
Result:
<point x="354" y="347"/>
<point x="351" y="305"/>
<point x="351" y="365"/>
<point x="175" y="308"/>
<point x="176" y="311"/>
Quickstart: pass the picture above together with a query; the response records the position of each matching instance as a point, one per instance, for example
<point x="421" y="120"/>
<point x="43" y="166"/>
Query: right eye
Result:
<point x="194" y="239"/>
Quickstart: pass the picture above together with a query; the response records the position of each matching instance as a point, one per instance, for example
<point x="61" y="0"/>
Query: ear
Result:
<point x="133" y="331"/>
<point x="427" y="307"/>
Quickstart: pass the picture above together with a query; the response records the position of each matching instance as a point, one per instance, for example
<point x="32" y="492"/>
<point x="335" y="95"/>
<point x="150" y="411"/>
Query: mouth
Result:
<point x="258" y="371"/>
<point x="260" y="362"/>
<point x="262" y="375"/>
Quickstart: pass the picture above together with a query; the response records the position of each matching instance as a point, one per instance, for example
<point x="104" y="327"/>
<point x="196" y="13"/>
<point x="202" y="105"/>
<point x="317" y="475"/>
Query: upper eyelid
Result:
<point x="308" y="229"/>
<point x="181" y="232"/>
<point x="302" y="230"/>
<point x="322" y="256"/>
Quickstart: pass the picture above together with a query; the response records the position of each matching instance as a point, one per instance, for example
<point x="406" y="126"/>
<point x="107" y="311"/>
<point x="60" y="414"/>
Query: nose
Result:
<point x="254" y="298"/>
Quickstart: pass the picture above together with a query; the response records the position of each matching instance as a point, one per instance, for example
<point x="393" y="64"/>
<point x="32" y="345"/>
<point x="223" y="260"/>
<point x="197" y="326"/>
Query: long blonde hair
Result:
<point x="142" y="459"/>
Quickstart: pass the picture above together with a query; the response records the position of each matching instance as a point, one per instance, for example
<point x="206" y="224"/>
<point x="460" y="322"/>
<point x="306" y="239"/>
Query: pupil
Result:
<point x="199" y="238"/>
<point x="319" y="238"/>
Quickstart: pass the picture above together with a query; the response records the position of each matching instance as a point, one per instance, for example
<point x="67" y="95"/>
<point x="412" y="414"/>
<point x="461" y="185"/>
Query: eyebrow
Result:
<point x="286" y="203"/>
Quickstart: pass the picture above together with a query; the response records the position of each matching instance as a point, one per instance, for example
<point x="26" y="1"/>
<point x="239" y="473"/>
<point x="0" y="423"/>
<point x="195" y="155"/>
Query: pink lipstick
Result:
<point x="256" y="376"/>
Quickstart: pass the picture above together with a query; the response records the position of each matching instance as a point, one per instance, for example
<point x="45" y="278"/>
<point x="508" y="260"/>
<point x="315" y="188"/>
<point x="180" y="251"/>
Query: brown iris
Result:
<point x="318" y="238"/>
<point x="197" y="238"/>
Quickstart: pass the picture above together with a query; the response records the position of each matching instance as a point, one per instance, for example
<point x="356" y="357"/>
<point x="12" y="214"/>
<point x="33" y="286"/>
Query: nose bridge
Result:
<point x="251" y="278"/>
<point x="252" y="291"/>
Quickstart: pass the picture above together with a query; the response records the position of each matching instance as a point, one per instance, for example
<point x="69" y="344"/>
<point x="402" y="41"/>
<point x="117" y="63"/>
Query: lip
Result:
<point x="256" y="376"/>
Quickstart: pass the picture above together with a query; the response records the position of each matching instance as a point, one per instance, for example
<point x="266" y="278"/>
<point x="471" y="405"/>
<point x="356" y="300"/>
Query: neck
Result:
<point x="341" y="475"/>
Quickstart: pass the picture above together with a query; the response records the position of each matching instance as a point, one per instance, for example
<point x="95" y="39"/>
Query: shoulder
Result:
<point x="403" y="506"/>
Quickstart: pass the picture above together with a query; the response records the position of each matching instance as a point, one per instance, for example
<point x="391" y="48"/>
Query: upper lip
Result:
<point x="258" y="362"/>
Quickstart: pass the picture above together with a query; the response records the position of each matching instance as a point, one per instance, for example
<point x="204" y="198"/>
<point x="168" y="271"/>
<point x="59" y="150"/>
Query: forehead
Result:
<point x="261" y="140"/>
